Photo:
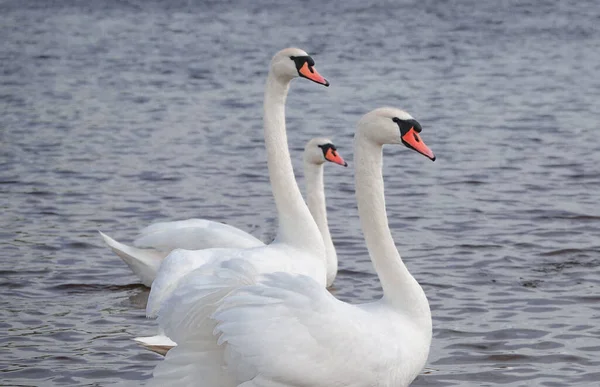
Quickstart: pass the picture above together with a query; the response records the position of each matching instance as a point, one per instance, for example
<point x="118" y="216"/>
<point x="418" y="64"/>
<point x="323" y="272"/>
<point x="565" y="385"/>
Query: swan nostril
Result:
<point x="417" y="139"/>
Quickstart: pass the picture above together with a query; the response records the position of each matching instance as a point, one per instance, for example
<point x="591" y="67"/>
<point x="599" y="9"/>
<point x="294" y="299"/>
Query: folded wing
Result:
<point x="194" y="234"/>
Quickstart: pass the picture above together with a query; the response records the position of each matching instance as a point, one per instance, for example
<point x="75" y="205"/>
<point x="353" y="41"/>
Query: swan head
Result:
<point x="290" y="63"/>
<point x="319" y="150"/>
<point x="393" y="126"/>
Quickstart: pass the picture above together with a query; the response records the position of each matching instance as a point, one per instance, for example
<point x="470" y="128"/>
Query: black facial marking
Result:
<point x="326" y="147"/>
<point x="406" y="125"/>
<point x="299" y="61"/>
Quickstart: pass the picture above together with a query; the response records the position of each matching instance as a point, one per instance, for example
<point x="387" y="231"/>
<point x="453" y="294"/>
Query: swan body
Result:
<point x="284" y="329"/>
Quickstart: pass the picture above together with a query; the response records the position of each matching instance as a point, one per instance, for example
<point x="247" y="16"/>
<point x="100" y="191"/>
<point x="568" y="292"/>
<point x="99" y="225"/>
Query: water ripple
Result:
<point x="116" y="114"/>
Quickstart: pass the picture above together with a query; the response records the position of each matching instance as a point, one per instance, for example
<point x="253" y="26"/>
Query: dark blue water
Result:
<point x="117" y="114"/>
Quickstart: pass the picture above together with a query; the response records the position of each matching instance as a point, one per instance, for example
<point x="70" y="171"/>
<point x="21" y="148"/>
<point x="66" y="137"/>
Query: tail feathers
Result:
<point x="143" y="262"/>
<point x="160" y="344"/>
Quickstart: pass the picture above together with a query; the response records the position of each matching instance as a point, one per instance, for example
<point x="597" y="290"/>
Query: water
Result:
<point x="119" y="114"/>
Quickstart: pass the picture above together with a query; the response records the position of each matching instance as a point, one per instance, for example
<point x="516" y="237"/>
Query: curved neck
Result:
<point x="400" y="288"/>
<point x="296" y="225"/>
<point x="315" y="198"/>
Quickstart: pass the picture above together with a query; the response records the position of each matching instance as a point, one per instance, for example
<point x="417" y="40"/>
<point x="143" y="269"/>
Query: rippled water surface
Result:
<point x="117" y="114"/>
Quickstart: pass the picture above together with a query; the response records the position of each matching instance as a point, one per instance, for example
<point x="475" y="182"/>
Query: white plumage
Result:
<point x="237" y="326"/>
<point x="299" y="246"/>
<point x="156" y="241"/>
<point x="194" y="234"/>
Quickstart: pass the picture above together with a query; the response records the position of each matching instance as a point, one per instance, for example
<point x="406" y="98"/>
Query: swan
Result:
<point x="159" y="239"/>
<point x="284" y="329"/>
<point x="298" y="246"/>
<point x="316" y="152"/>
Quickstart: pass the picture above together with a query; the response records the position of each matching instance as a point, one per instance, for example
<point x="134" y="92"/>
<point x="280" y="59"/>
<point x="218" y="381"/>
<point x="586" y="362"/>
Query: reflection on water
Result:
<point x="119" y="114"/>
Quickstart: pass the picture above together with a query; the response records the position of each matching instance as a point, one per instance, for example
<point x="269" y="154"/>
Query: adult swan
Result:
<point x="286" y="330"/>
<point x="298" y="246"/>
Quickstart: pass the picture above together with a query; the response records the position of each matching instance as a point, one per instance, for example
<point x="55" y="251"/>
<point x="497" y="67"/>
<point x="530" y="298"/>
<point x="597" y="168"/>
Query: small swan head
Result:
<point x="319" y="150"/>
<point x="293" y="62"/>
<point x="393" y="126"/>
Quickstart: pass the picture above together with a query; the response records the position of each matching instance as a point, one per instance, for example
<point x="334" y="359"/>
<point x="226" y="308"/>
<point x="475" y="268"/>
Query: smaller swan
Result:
<point x="159" y="239"/>
<point x="316" y="152"/>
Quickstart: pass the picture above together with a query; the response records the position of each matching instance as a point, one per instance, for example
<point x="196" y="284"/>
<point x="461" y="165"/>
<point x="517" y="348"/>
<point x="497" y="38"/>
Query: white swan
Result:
<point x="316" y="152"/>
<point x="286" y="330"/>
<point x="159" y="239"/>
<point x="298" y="246"/>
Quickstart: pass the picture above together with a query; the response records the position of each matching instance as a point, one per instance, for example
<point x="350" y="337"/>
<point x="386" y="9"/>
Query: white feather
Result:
<point x="160" y="344"/>
<point x="264" y="259"/>
<point x="186" y="316"/>
<point x="143" y="262"/>
<point x="194" y="234"/>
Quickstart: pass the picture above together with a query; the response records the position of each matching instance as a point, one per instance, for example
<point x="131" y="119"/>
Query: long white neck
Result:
<point x="400" y="289"/>
<point x="315" y="198"/>
<point x="296" y="225"/>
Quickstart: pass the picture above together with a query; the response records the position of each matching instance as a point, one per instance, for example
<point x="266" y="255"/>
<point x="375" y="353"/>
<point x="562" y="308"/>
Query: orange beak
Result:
<point x="309" y="72"/>
<point x="335" y="157"/>
<point x="412" y="140"/>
